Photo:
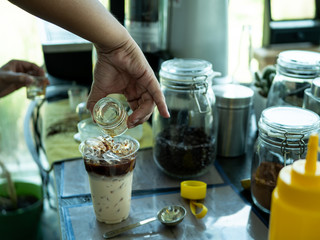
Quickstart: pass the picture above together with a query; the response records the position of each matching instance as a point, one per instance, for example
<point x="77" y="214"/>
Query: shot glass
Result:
<point x="37" y="89"/>
<point x="111" y="116"/>
<point x="109" y="163"/>
<point x="77" y="94"/>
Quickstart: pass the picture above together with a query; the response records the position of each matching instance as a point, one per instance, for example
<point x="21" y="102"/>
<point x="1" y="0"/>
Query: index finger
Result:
<point x="20" y="79"/>
<point x="28" y="67"/>
<point x="159" y="99"/>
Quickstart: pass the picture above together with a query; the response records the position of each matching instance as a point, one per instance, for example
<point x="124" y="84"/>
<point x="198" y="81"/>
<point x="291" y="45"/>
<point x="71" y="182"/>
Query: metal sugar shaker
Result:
<point x="234" y="103"/>
<point x="311" y="98"/>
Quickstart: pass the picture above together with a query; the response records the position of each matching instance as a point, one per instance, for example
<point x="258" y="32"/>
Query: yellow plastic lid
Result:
<point x="195" y="190"/>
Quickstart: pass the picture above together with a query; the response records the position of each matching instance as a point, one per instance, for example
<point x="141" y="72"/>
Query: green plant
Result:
<point x="264" y="80"/>
<point x="10" y="189"/>
<point x="21" y="204"/>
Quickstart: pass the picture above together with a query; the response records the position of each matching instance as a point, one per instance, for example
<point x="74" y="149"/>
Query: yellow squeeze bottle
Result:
<point x="295" y="204"/>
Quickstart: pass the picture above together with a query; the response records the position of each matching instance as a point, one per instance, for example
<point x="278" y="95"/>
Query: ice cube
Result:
<point x="110" y="156"/>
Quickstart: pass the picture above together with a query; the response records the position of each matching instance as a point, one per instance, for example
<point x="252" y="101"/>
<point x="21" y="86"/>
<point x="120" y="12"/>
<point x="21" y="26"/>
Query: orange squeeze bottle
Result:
<point x="295" y="204"/>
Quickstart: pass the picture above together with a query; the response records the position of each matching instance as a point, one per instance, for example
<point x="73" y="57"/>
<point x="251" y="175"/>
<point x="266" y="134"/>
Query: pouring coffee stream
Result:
<point x="169" y="216"/>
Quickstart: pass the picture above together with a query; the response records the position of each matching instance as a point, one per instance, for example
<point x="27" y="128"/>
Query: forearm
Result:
<point x="86" y="18"/>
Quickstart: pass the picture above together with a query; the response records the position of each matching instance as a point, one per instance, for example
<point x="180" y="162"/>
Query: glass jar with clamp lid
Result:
<point x="185" y="143"/>
<point x="283" y="137"/>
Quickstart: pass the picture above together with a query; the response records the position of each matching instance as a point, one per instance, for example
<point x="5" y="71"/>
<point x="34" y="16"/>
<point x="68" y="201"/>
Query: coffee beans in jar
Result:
<point x="185" y="143"/>
<point x="184" y="151"/>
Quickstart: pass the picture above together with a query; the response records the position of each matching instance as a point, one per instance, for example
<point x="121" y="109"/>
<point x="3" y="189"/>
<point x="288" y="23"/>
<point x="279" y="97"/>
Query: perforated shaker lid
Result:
<point x="232" y="95"/>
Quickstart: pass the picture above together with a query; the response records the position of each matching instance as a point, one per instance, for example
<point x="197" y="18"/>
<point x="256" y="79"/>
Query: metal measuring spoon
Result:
<point x="169" y="216"/>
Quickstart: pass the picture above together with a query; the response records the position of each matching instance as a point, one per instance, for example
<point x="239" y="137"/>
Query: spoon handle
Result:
<point x="116" y="232"/>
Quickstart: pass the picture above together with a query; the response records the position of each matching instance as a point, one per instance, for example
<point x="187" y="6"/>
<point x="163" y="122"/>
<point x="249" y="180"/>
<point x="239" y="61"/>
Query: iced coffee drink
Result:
<point x="110" y="163"/>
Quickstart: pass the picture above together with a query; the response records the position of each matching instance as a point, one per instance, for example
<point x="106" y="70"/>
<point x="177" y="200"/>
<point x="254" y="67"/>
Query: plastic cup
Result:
<point x="110" y="175"/>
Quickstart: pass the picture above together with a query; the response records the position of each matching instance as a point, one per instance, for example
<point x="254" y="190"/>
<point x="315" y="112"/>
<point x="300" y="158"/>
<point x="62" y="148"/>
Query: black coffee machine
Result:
<point x="162" y="28"/>
<point x="147" y="22"/>
<point x="184" y="29"/>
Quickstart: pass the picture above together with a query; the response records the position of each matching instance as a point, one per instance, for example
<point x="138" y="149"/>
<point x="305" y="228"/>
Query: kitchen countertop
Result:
<point x="231" y="212"/>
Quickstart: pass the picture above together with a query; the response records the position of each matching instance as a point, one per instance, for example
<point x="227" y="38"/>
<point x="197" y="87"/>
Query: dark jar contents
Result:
<point x="185" y="143"/>
<point x="184" y="151"/>
<point x="264" y="181"/>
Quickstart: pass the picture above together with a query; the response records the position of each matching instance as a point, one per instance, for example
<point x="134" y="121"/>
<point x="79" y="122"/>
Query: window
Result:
<point x="287" y="21"/>
<point x="298" y="10"/>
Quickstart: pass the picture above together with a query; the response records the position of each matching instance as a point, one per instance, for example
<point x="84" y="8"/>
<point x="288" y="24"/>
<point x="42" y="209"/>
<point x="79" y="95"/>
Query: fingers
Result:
<point x="141" y="113"/>
<point x="23" y="67"/>
<point x="10" y="81"/>
<point x="144" y="106"/>
<point x="161" y="104"/>
<point x="155" y="91"/>
<point x="7" y="91"/>
<point x="33" y="69"/>
<point x="95" y="95"/>
<point x="18" y="79"/>
<point x="29" y="68"/>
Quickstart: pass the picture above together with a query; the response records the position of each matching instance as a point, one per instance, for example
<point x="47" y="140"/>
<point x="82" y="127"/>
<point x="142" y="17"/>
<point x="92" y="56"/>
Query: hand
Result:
<point x="121" y="66"/>
<point x="125" y="70"/>
<point x="16" y="74"/>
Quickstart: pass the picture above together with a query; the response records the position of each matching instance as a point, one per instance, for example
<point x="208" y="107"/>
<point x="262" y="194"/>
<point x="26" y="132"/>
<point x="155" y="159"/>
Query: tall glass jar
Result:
<point x="185" y="143"/>
<point x="295" y="72"/>
<point x="283" y="137"/>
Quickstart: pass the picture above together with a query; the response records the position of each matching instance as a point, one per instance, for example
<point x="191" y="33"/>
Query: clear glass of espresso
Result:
<point x="109" y="163"/>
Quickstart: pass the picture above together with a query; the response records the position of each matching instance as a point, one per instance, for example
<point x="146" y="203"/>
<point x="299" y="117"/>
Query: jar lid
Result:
<point x="315" y="88"/>
<point x="232" y="95"/>
<point x="187" y="70"/>
<point x="293" y="120"/>
<point x="296" y="62"/>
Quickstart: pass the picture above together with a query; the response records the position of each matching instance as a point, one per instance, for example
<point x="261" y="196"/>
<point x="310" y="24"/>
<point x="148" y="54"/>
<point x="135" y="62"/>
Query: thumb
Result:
<point x="11" y="81"/>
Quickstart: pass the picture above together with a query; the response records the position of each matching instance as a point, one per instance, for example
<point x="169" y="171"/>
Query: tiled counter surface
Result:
<point x="230" y="216"/>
